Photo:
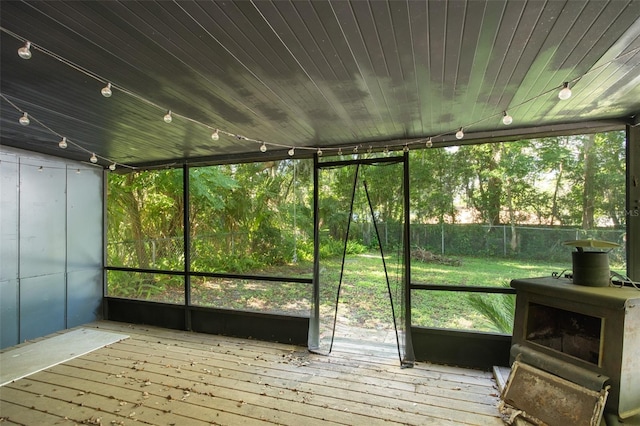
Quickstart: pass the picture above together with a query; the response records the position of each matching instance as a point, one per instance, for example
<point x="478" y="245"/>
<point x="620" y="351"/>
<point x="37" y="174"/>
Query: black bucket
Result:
<point x="591" y="268"/>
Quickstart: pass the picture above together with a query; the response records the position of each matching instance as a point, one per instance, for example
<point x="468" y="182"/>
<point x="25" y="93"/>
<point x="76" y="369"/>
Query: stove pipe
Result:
<point x="591" y="268"/>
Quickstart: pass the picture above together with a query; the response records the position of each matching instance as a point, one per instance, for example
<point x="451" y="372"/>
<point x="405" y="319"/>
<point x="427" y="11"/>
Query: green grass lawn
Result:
<point x="364" y="298"/>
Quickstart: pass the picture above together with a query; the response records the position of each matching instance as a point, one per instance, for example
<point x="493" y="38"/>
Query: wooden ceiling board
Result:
<point x="308" y="74"/>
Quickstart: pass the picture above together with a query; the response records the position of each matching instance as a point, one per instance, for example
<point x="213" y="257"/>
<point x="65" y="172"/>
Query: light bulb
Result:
<point x="355" y="149"/>
<point x="25" y="51"/>
<point x="63" y="143"/>
<point x="292" y="151"/>
<point x="24" y="120"/>
<point x="106" y="91"/>
<point x="506" y="118"/>
<point x="565" y="93"/>
<point x="40" y="168"/>
<point x="215" y="135"/>
<point x="406" y="148"/>
<point x="319" y="152"/>
<point x="386" y="150"/>
<point x="112" y="167"/>
<point x="167" y="117"/>
<point x="263" y="147"/>
<point x="93" y="158"/>
<point x="429" y="143"/>
<point x="460" y="134"/>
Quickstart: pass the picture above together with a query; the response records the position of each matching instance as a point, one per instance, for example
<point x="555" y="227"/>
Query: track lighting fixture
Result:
<point x="429" y="143"/>
<point x="506" y="118"/>
<point x="460" y="133"/>
<point x="93" y="158"/>
<point x="167" y="117"/>
<point x="24" y="120"/>
<point x="112" y="167"/>
<point x="263" y="147"/>
<point x="319" y="152"/>
<point x="25" y="51"/>
<point x="292" y="151"/>
<point x="215" y="135"/>
<point x="63" y="143"/>
<point x="565" y="92"/>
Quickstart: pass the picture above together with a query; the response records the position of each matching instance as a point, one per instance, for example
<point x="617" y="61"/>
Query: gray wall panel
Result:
<point x="51" y="246"/>
<point x="9" y="313"/>
<point x="84" y="297"/>
<point x="8" y="216"/>
<point x="42" y="218"/>
<point x="42" y="305"/>
<point x="84" y="220"/>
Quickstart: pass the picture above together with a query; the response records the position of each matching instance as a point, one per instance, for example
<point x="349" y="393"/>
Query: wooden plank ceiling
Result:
<point x="308" y="74"/>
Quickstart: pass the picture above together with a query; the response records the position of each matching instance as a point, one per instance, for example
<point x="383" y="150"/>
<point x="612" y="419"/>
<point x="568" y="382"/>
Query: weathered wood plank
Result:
<point x="368" y="386"/>
<point x="16" y="414"/>
<point x="173" y="377"/>
<point x="280" y="396"/>
<point x="50" y="405"/>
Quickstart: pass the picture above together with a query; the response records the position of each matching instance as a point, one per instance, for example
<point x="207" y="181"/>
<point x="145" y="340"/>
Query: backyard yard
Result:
<point x="364" y="298"/>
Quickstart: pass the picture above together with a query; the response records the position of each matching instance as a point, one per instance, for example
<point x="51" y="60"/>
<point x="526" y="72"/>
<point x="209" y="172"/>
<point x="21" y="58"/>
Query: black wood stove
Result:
<point x="581" y="334"/>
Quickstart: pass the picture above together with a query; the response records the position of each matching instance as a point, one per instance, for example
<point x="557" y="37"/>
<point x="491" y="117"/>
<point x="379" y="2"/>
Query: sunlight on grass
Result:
<point x="364" y="298"/>
<point x="436" y="309"/>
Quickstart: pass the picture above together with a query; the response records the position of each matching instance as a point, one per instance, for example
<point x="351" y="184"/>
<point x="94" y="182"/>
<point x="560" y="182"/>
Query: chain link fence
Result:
<point x="521" y="242"/>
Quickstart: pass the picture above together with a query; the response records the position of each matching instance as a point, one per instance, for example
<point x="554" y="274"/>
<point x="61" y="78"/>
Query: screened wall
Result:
<point x="480" y="216"/>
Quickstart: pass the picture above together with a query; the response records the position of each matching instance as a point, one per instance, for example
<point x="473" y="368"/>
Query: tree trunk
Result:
<point x="512" y="218"/>
<point x="133" y="210"/>
<point x="494" y="186"/>
<point x="554" y="205"/>
<point x="588" y="195"/>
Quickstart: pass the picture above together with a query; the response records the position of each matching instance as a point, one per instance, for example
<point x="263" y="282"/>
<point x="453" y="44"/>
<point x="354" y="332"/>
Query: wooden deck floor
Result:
<point x="166" y="377"/>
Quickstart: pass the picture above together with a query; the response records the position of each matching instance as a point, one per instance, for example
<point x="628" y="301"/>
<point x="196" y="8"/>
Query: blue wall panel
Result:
<point x="51" y="250"/>
<point x="84" y="221"/>
<point x="8" y="216"/>
<point x="42" y="305"/>
<point x="42" y="218"/>
<point x="84" y="297"/>
<point x="9" y="313"/>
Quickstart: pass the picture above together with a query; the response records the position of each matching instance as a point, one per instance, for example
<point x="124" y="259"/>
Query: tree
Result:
<point x="484" y="180"/>
<point x="588" y="187"/>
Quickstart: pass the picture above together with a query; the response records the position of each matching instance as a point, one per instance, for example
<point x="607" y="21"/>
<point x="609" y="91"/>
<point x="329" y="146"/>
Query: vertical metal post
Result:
<point x="105" y="229"/>
<point x="187" y="246"/>
<point x="633" y="202"/>
<point x="504" y="240"/>
<point x="295" y="219"/>
<point x="408" y="350"/>
<point x="314" y="321"/>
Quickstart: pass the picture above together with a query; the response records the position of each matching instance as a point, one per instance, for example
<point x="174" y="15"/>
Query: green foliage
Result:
<point x="334" y="248"/>
<point x="498" y="309"/>
<point x="142" y="286"/>
<point x="250" y="216"/>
